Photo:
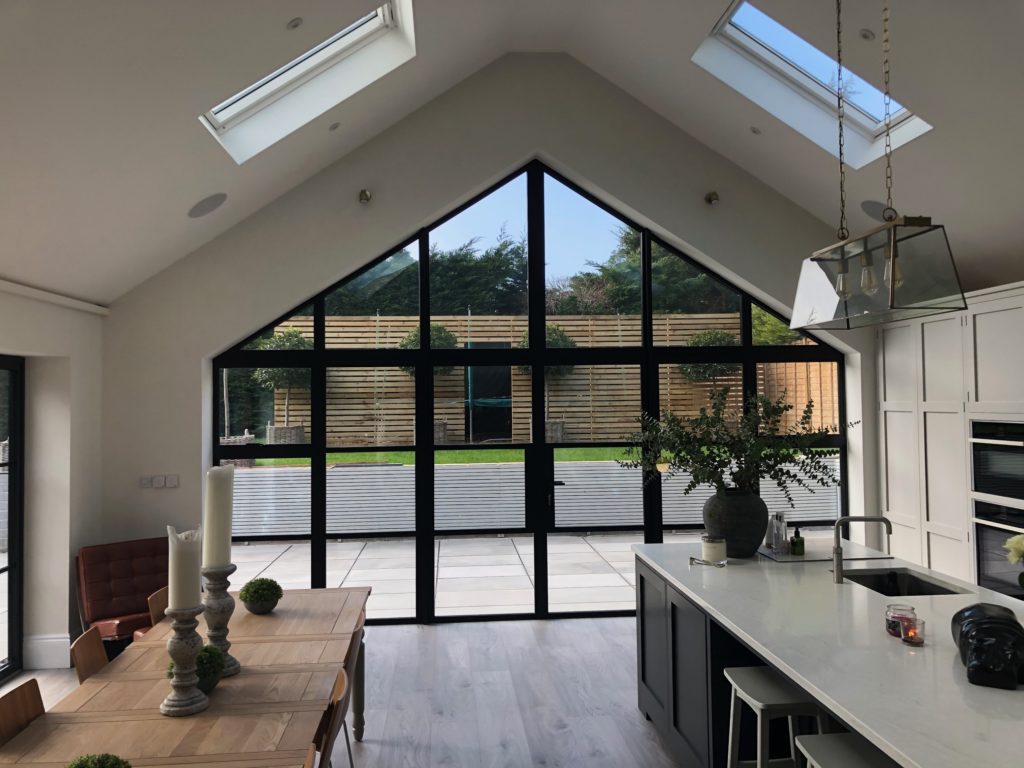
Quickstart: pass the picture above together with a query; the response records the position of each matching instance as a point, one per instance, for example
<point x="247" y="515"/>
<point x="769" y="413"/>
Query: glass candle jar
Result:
<point x="912" y="631"/>
<point x="712" y="549"/>
<point x="895" y="615"/>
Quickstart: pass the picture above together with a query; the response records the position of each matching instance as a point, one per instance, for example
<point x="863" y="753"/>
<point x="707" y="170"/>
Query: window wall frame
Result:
<point x="15" y="569"/>
<point x="539" y="514"/>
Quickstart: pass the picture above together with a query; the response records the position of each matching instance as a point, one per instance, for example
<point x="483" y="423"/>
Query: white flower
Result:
<point x="1014" y="547"/>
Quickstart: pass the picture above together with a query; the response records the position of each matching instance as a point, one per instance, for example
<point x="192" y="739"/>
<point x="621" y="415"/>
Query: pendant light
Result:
<point x="839" y="286"/>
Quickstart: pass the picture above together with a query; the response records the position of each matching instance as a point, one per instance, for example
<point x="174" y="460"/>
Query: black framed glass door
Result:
<point x="11" y="564"/>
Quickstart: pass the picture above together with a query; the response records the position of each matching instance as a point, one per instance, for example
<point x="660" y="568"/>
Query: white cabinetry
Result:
<point x="934" y="374"/>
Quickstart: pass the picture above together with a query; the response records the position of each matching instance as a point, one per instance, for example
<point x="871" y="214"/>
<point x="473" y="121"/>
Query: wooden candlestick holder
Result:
<point x="183" y="646"/>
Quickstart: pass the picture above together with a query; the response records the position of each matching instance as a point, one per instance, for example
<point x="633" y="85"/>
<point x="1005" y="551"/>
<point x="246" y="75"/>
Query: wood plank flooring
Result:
<point x="508" y="694"/>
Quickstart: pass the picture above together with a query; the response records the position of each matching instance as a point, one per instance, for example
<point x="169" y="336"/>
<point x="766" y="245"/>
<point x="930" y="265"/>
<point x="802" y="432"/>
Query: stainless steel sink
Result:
<point x="900" y="582"/>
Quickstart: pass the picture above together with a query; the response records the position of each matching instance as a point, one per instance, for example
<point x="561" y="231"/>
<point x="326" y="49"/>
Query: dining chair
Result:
<point x="334" y="721"/>
<point x="310" y="761"/>
<point x="19" y="707"/>
<point x="87" y="654"/>
<point x="157" y="604"/>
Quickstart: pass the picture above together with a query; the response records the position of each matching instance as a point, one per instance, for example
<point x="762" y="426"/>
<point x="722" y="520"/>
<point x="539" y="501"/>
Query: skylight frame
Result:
<point x="764" y="54"/>
<point x="250" y="100"/>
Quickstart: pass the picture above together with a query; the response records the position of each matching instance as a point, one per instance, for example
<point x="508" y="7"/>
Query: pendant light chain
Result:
<point x="843" y="232"/>
<point x="889" y="214"/>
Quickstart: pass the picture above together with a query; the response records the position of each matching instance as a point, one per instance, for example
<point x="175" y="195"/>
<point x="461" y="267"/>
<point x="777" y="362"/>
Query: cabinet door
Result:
<point x="652" y="645"/>
<point x="995" y="365"/>
<point x="688" y="732"/>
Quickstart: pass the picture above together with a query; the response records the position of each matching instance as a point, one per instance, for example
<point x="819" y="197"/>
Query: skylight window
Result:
<point x="294" y="94"/>
<point x="782" y="48"/>
<point x="787" y="76"/>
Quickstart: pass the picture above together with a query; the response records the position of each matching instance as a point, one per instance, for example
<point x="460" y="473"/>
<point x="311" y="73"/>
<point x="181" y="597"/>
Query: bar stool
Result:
<point x="841" y="750"/>
<point x="770" y="696"/>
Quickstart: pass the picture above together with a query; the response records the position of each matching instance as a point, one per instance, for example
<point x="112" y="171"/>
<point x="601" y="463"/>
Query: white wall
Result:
<point x="159" y="337"/>
<point x="62" y="460"/>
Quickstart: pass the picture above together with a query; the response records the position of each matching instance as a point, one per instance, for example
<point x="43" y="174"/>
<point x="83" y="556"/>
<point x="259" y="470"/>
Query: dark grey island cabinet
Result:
<point x="681" y="653"/>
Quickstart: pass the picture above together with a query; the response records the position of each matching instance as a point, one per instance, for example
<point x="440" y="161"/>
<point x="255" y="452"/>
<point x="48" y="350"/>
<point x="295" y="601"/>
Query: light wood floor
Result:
<point x="510" y="694"/>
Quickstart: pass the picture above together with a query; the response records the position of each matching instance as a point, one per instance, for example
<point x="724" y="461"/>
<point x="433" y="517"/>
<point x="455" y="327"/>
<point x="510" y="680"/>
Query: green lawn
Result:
<point x="469" y="456"/>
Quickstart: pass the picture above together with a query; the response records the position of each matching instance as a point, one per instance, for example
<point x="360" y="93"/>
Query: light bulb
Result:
<point x="843" y="285"/>
<point x="868" y="281"/>
<point x="892" y="269"/>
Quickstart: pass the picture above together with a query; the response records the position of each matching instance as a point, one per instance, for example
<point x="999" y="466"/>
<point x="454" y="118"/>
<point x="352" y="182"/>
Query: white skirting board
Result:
<point x="47" y="651"/>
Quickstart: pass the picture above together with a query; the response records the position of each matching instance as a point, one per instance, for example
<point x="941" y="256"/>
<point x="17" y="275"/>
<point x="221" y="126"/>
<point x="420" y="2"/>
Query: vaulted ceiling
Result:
<point x="102" y="155"/>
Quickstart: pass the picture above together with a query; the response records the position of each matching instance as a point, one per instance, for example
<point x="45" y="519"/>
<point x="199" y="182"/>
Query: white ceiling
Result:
<point x="101" y="154"/>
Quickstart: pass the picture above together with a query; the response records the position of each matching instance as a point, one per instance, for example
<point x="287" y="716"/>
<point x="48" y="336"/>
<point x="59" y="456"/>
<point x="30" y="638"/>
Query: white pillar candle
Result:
<point x="220" y="488"/>
<point x="183" y="577"/>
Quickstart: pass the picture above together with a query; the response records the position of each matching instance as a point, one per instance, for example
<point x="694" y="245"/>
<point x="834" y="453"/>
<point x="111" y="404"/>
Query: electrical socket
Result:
<point x="146" y="481"/>
<point x="158" y="481"/>
<point x="171" y="481"/>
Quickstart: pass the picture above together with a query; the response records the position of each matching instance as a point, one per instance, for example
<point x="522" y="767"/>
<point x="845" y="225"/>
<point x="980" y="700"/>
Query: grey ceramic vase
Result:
<point x="261" y="607"/>
<point x="739" y="517"/>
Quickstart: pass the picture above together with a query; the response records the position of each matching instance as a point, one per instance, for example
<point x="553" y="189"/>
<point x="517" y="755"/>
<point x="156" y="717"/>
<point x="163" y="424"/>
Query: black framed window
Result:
<point x="12" y="378"/>
<point x="481" y="379"/>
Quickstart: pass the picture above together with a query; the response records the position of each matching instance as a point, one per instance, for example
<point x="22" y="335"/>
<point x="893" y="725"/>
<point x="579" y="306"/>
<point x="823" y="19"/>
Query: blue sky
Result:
<point x="577" y="231"/>
<point x="803" y="55"/>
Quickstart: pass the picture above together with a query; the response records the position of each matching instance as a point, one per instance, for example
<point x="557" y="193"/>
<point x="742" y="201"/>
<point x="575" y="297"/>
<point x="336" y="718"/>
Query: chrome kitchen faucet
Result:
<point x="837" y="549"/>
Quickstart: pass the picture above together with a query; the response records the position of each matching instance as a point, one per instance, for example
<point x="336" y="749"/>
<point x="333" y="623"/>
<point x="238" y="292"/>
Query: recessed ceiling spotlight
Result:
<point x="755" y="130"/>
<point x="333" y="126"/>
<point x="711" y="198"/>
<point x="207" y="205"/>
<point x="867" y="34"/>
<point x="873" y="208"/>
<point x="294" y="23"/>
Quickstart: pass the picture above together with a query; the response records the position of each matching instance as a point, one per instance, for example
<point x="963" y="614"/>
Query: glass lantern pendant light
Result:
<point x="839" y="285"/>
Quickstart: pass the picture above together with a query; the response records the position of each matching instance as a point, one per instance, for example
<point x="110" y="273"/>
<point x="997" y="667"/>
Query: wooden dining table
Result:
<point x="264" y="717"/>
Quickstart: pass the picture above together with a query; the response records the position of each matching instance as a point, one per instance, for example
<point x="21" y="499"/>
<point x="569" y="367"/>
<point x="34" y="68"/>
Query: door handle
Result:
<point x="557" y="482"/>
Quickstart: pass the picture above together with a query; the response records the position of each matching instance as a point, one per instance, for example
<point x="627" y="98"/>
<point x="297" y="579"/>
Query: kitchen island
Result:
<point x="914" y="704"/>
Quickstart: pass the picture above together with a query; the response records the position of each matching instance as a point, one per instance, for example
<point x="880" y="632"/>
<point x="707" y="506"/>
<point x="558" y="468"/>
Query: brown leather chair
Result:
<point x="114" y="582"/>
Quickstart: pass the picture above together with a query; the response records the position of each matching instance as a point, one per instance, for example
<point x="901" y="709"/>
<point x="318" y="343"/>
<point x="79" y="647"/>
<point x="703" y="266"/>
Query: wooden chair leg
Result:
<point x="348" y="746"/>
<point x="735" y="712"/>
<point x="762" y="740"/>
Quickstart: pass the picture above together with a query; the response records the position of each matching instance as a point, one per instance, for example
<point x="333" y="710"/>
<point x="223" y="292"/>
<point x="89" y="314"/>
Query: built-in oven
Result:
<point x="997" y="495"/>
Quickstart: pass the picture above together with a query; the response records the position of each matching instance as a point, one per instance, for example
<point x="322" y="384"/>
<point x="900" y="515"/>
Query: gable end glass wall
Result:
<point x="445" y="423"/>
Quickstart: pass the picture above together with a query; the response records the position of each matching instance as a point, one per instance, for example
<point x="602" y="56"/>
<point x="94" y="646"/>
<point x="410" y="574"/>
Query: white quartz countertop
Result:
<point x="915" y="704"/>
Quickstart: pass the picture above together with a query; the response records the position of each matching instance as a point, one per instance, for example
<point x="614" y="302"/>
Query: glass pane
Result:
<point x="387" y="565"/>
<point x="591" y="572"/>
<point x="799" y="384"/>
<point x="378" y="308"/>
<point x="591" y="403"/>
<point x="479" y="489"/>
<point x="294" y="333"/>
<point x="686" y="388"/>
<point x="272" y="498"/>
<point x="592" y="269"/>
<point x="819" y="503"/>
<point x="597" y="492"/>
<point x="5" y="521"/>
<point x="370" y="406"/>
<point x="5" y="620"/>
<point x="768" y="330"/>
<point x="478" y="271"/>
<point x="482" y="404"/>
<point x="263" y="405"/>
<point x="691" y="308"/>
<point x="5" y="414"/>
<point x="484" y="574"/>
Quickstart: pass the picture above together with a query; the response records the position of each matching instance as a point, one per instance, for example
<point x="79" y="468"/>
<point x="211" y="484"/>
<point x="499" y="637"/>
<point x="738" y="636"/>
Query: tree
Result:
<point x="768" y="330"/>
<point x="440" y="338"/>
<point x="489" y="282"/>
<point x="713" y="337"/>
<point x="283" y="378"/>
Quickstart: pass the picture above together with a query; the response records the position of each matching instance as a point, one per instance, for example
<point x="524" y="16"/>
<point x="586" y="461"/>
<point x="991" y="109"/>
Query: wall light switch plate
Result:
<point x="171" y="481"/>
<point x="146" y="481"/>
<point x="158" y="481"/>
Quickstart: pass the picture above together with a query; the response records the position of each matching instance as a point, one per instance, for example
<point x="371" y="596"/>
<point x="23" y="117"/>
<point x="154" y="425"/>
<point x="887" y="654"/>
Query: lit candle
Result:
<point x="220" y="487"/>
<point x="183" y="554"/>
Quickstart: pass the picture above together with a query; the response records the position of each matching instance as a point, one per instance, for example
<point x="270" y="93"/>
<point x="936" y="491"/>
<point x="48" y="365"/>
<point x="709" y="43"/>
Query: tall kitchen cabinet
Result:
<point x="935" y="374"/>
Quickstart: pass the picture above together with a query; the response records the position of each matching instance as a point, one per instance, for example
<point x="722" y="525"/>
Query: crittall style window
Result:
<point x="446" y="424"/>
<point x="11" y="567"/>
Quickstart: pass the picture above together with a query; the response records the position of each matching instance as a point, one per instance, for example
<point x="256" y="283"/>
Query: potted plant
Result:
<point x="287" y="379"/>
<point x="209" y="667"/>
<point x="733" y="452"/>
<point x="555" y="337"/>
<point x="105" y="760"/>
<point x="440" y="338"/>
<point x="261" y="595"/>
